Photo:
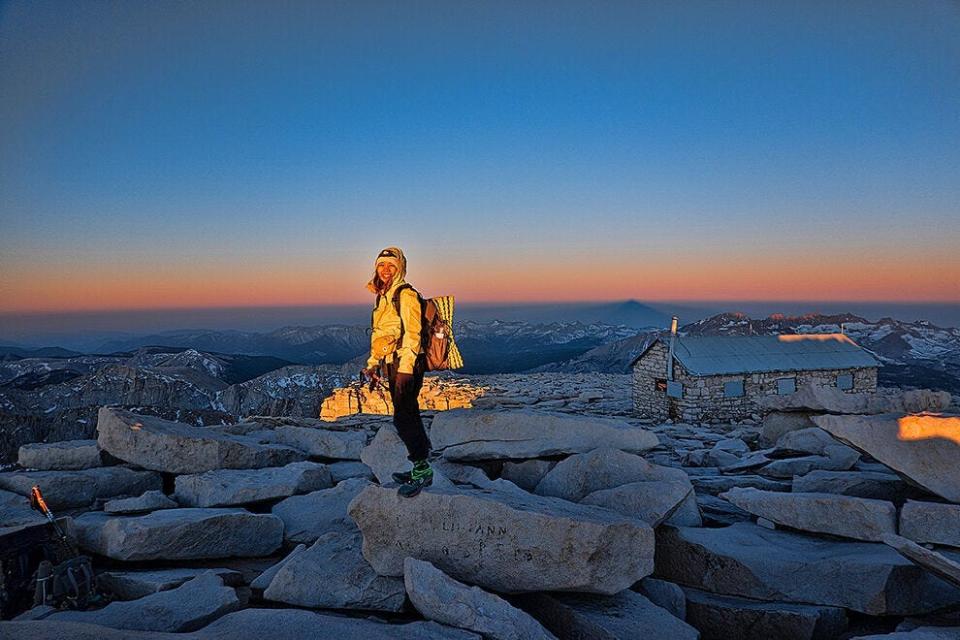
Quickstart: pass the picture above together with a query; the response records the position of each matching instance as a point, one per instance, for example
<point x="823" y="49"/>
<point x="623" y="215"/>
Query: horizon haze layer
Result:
<point x="84" y="331"/>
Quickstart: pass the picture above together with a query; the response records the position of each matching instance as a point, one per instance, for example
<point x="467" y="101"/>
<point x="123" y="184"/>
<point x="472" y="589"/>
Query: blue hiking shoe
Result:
<point x="420" y="477"/>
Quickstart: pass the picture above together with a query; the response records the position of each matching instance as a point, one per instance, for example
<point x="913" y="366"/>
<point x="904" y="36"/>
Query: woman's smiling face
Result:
<point x="386" y="271"/>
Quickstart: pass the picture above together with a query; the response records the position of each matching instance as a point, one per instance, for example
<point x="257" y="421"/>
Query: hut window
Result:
<point x="845" y="381"/>
<point x="733" y="389"/>
<point x="786" y="386"/>
<point x="675" y="389"/>
<point x="660" y="384"/>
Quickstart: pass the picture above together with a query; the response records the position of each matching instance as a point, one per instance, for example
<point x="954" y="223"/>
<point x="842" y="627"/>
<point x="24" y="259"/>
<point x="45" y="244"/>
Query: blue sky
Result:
<point x="184" y="154"/>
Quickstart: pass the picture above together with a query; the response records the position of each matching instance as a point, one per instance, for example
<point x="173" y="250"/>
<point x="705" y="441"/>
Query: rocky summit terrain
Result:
<point x="221" y="377"/>
<point x="47" y="399"/>
<point x="554" y="513"/>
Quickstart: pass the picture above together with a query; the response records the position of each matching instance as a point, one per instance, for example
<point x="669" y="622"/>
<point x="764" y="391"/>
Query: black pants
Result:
<point x="406" y="411"/>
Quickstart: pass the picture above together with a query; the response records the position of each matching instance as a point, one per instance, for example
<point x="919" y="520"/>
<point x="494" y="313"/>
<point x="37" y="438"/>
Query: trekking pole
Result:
<point x="377" y="382"/>
<point x="38" y="503"/>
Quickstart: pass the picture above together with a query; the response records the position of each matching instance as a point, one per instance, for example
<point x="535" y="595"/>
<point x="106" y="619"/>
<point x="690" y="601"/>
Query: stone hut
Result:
<point x="721" y="378"/>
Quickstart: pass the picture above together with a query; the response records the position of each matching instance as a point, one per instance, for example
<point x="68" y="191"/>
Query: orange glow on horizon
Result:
<point x="134" y="284"/>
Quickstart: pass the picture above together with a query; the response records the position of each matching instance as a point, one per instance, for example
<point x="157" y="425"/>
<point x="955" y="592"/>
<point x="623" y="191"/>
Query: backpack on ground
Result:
<point x="436" y="330"/>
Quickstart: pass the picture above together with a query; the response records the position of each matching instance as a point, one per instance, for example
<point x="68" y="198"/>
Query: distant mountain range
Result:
<point x="914" y="354"/>
<point x="612" y="357"/>
<point x="323" y="344"/>
<point x="628" y="313"/>
<point x="10" y="352"/>
<point x="508" y="347"/>
<point x="502" y="347"/>
<point x="488" y="347"/>
<point x="212" y="377"/>
<point x="96" y="332"/>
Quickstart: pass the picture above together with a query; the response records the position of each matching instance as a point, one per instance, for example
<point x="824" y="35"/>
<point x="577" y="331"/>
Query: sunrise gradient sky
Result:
<point x="161" y="155"/>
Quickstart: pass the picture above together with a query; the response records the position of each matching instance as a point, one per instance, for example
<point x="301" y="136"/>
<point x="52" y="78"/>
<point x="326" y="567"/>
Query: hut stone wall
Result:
<point x="704" y="399"/>
<point x="648" y="400"/>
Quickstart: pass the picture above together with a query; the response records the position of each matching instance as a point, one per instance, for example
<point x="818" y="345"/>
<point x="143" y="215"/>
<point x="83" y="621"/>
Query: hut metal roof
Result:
<point x="713" y="355"/>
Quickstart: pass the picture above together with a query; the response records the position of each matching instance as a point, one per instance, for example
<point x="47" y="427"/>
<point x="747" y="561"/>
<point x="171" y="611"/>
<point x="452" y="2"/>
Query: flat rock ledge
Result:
<point x="332" y="574"/>
<point x="81" y="488"/>
<point x="471" y="434"/>
<point x="228" y="487"/>
<point x="63" y="455"/>
<point x="180" y="534"/>
<point x="248" y="624"/>
<point x="185" y="608"/>
<point x="846" y="516"/>
<point x="174" y="447"/>
<point x="753" y="562"/>
<point x="504" y="541"/>
<point x="441" y="598"/>
<point x="624" y="616"/>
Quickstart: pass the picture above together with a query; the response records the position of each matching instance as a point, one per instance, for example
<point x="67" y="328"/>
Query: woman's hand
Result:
<point x="372" y="375"/>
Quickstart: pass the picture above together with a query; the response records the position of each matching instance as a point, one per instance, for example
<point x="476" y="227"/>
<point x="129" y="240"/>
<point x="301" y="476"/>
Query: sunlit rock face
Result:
<point x="437" y="394"/>
<point x="921" y="447"/>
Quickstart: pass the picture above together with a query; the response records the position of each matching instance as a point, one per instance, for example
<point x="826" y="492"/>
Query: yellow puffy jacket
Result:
<point x="386" y="326"/>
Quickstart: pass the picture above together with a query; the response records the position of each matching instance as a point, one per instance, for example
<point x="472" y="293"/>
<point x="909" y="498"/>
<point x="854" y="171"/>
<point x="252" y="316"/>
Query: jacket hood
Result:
<point x="396" y="253"/>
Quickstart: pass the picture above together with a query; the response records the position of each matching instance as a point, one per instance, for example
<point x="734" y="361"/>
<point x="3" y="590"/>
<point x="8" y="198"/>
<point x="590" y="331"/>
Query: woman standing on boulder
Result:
<point x="396" y="352"/>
